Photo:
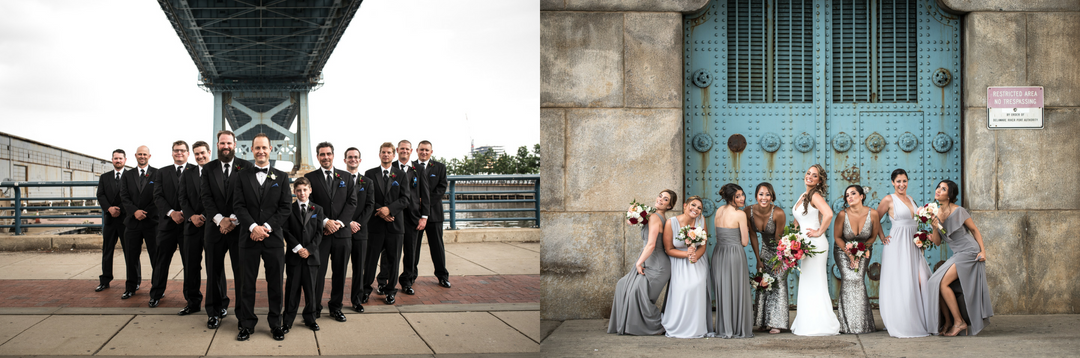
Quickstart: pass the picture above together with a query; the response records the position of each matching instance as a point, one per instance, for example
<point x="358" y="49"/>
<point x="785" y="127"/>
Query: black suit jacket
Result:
<point x="135" y="199"/>
<point x="108" y="195"/>
<point x="191" y="199"/>
<point x="262" y="204"/>
<point x="305" y="231"/>
<point x="395" y="196"/>
<point x="338" y="204"/>
<point x="435" y="176"/>
<point x="216" y="197"/>
<point x="167" y="195"/>
<point x="365" y="205"/>
<point x="418" y="193"/>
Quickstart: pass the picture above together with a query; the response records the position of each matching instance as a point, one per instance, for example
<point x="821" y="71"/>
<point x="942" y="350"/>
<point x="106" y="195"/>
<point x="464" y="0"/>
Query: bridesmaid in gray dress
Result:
<point x="967" y="265"/>
<point x="771" y="310"/>
<point x="728" y="272"/>
<point x="634" y="310"/>
<point x="854" y="305"/>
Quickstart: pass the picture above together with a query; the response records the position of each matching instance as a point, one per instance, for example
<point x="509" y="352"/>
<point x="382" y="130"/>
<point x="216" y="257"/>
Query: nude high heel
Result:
<point x="956" y="330"/>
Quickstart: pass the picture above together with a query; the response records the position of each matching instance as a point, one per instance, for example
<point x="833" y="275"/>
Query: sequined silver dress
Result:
<point x="771" y="309"/>
<point x="854" y="305"/>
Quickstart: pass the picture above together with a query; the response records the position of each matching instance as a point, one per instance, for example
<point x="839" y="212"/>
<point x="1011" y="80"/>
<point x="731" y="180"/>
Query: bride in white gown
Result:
<point x="814" y="315"/>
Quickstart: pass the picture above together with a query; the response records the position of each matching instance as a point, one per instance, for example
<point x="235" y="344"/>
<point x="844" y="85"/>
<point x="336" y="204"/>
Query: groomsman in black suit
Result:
<point x="112" y="225"/>
<point x="194" y="229"/>
<point x="218" y="184"/>
<point x="140" y="223"/>
<point x="416" y="216"/>
<point x="170" y="235"/>
<point x="365" y="205"/>
<point x="434" y="174"/>
<point x="261" y="200"/>
<point x="303" y="232"/>
<point x="387" y="226"/>
<point x="336" y="194"/>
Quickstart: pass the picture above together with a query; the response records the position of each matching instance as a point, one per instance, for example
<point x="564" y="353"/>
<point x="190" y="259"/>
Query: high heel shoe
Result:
<point x="956" y="330"/>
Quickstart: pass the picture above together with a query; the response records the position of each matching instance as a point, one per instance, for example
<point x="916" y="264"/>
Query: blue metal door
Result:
<point x="860" y="87"/>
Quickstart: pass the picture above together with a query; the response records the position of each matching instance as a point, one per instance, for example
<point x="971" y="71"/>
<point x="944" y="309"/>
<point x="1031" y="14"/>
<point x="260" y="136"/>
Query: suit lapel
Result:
<point x="268" y="182"/>
<point x="255" y="190"/>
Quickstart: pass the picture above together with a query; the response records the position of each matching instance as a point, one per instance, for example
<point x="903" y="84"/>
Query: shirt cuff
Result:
<point x="217" y="219"/>
<point x="233" y="217"/>
<point x="341" y="224"/>
<point x="297" y="248"/>
<point x="170" y="212"/>
<point x="423" y="216"/>
<point x="252" y="227"/>
<point x="267" y="226"/>
<point x="324" y="221"/>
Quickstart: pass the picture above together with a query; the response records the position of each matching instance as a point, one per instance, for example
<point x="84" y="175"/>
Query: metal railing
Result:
<point x="454" y="198"/>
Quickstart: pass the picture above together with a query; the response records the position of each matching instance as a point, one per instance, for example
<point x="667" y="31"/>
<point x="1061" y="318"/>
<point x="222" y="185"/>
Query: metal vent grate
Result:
<point x="897" y="46"/>
<point x="747" y="40"/>
<point x="770" y="61"/>
<point x="851" y="72"/>
<point x="794" y="51"/>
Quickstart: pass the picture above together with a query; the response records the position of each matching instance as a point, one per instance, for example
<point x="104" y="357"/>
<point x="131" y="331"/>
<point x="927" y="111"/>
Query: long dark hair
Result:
<point x="858" y="189"/>
<point x="820" y="188"/>
<point x="772" y="193"/>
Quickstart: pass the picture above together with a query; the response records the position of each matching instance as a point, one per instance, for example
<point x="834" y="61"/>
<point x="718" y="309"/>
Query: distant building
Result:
<point x="496" y="150"/>
<point x="23" y="159"/>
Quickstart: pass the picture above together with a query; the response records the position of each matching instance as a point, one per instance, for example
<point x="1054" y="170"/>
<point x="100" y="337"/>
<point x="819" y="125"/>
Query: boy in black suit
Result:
<point x="303" y="234"/>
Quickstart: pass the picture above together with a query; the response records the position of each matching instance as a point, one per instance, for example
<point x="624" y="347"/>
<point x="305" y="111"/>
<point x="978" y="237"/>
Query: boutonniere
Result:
<point x="238" y="167"/>
<point x="336" y="175"/>
<point x="413" y="167"/>
<point x="393" y="175"/>
<point x="360" y="180"/>
<point x="147" y="175"/>
<point x="272" y="176"/>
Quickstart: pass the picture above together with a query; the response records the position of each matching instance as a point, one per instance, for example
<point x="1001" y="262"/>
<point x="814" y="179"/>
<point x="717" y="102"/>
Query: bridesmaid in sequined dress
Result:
<point x="854" y="304"/>
<point x="765" y="218"/>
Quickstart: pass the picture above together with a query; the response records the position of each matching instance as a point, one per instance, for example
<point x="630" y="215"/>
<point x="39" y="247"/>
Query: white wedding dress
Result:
<point x="814" y="315"/>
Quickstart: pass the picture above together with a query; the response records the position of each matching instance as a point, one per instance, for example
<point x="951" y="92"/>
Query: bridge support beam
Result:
<point x="273" y="113"/>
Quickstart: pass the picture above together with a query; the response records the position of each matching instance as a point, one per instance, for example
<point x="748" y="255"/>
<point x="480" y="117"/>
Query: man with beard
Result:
<point x="416" y="216"/>
<point x="218" y="184"/>
<point x="387" y="226"/>
<point x="337" y="196"/>
<point x="137" y="194"/>
<point x="365" y="204"/>
<point x="194" y="222"/>
<point x="261" y="200"/>
<point x="112" y="226"/>
<point x="170" y="235"/>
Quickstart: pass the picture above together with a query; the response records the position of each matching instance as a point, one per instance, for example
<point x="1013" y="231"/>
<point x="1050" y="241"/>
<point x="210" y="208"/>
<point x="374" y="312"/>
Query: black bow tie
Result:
<point x="262" y="170"/>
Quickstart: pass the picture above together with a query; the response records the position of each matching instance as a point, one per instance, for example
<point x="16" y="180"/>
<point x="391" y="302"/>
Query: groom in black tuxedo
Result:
<point x="387" y="226"/>
<point x="218" y="184"/>
<point x="140" y="222"/>
<point x="170" y="235"/>
<point x="261" y="201"/>
<point x="112" y="226"/>
<point x="332" y="190"/>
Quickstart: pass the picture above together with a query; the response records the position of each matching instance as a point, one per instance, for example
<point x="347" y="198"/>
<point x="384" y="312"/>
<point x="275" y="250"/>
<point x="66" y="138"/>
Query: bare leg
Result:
<point x="946" y="317"/>
<point x="950" y="300"/>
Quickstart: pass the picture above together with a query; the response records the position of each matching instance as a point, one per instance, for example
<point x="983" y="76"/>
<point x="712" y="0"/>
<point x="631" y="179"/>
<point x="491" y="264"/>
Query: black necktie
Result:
<point x="328" y="180"/>
<point x="117" y="176"/>
<point x="385" y="174"/>
<point x="354" y="178"/>
<point x="225" y="174"/>
<point x="142" y="178"/>
<point x="179" y="171"/>
<point x="303" y="210"/>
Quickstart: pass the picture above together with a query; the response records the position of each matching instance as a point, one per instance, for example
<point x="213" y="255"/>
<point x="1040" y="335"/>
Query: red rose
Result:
<point x="645" y="221"/>
<point x="644" y="214"/>
<point x="633" y="221"/>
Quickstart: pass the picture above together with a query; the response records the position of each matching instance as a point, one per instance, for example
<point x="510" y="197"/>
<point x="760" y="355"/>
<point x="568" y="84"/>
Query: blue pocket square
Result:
<point x="433" y="175"/>
<point x="341" y="184"/>
<point x="394" y="183"/>
<point x="151" y="182"/>
<point x="275" y="184"/>
<point x="361" y="188"/>
<point x="313" y="216"/>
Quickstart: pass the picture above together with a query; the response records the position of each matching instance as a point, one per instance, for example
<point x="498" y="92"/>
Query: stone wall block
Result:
<point x="581" y="59"/>
<point x="1053" y="48"/>
<point x="1031" y="260"/>
<point x="580" y="263"/>
<point x="617" y="155"/>
<point x="1038" y="168"/>
<point x="1010" y="5"/>
<point x="998" y="41"/>
<point x="553" y="167"/>
<point x="653" y="64"/>
<point x="546" y="5"/>
<point x="683" y="6"/>
<point x="980" y="163"/>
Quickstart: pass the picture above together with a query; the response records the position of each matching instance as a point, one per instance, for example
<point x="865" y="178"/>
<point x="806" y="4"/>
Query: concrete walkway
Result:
<point x="48" y="307"/>
<point x="1006" y="336"/>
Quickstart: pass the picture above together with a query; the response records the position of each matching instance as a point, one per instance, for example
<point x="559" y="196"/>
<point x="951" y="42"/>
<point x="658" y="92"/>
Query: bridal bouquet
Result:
<point x="924" y="217"/>
<point x="692" y="235"/>
<point x="793" y="246"/>
<point x="638" y="214"/>
<point x="762" y="281"/>
<point x="858" y="250"/>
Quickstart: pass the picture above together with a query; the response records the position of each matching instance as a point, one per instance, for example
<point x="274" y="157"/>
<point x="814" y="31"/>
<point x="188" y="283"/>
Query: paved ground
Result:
<point x="48" y="307"/>
<point x="1006" y="336"/>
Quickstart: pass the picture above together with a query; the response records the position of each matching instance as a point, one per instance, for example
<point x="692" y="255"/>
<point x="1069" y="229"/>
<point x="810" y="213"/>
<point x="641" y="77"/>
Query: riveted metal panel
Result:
<point x="861" y="112"/>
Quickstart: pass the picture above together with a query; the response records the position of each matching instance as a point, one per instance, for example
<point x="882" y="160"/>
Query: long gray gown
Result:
<point x="730" y="279"/>
<point x="969" y="271"/>
<point x="854" y="305"/>
<point x="772" y="306"/>
<point x="634" y="310"/>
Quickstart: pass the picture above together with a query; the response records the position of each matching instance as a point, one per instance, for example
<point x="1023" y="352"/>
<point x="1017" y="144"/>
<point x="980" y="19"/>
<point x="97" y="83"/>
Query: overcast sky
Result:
<point x="93" y="76"/>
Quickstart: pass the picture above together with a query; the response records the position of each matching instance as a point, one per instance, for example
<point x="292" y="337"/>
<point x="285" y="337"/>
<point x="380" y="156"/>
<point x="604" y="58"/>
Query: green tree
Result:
<point x="524" y="162"/>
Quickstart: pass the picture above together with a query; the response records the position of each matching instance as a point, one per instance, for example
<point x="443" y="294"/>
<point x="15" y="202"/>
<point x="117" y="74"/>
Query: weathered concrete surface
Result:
<point x="526" y="322"/>
<point x="469" y="333"/>
<point x="653" y="65"/>
<point x="624" y="5"/>
<point x="581" y="59"/>
<point x="580" y="260"/>
<point x="1031" y="260"/>
<point x="980" y="165"/>
<point x="1010" y="5"/>
<point x="1006" y="336"/>
<point x="391" y="331"/>
<point x="1053" y="48"/>
<point x="11" y="326"/>
<point x="618" y="155"/>
<point x="553" y="167"/>
<point x="161" y="335"/>
<point x="999" y="41"/>
<point x="65" y="335"/>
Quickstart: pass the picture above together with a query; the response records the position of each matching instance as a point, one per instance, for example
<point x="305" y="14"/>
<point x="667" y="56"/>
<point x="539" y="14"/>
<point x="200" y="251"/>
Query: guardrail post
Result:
<point x="536" y="200"/>
<point x="453" y="205"/>
<point x="18" y="209"/>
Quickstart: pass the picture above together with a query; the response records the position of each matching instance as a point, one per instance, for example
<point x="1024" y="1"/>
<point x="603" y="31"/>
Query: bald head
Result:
<point x="142" y="156"/>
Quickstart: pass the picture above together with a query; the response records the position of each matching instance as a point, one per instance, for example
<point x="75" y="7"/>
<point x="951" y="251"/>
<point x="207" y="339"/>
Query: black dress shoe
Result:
<point x="154" y="303"/>
<point x="279" y="334"/>
<point x="224" y="313"/>
<point x="381" y="291"/>
<point x="101" y="287"/>
<point x="444" y="283"/>
<point x="337" y="316"/>
<point x="408" y="290"/>
<point x="244" y="334"/>
<point x="364" y="299"/>
<point x="213" y="323"/>
<point x="390" y="299"/>
<point x="314" y="326"/>
<point x="286" y="329"/>
<point x="358" y="308"/>
<point x="188" y="310"/>
<point x="127" y="295"/>
<point x="137" y="287"/>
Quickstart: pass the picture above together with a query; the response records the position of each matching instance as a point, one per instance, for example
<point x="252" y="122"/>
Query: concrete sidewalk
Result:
<point x="48" y="307"/>
<point x="1006" y="336"/>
